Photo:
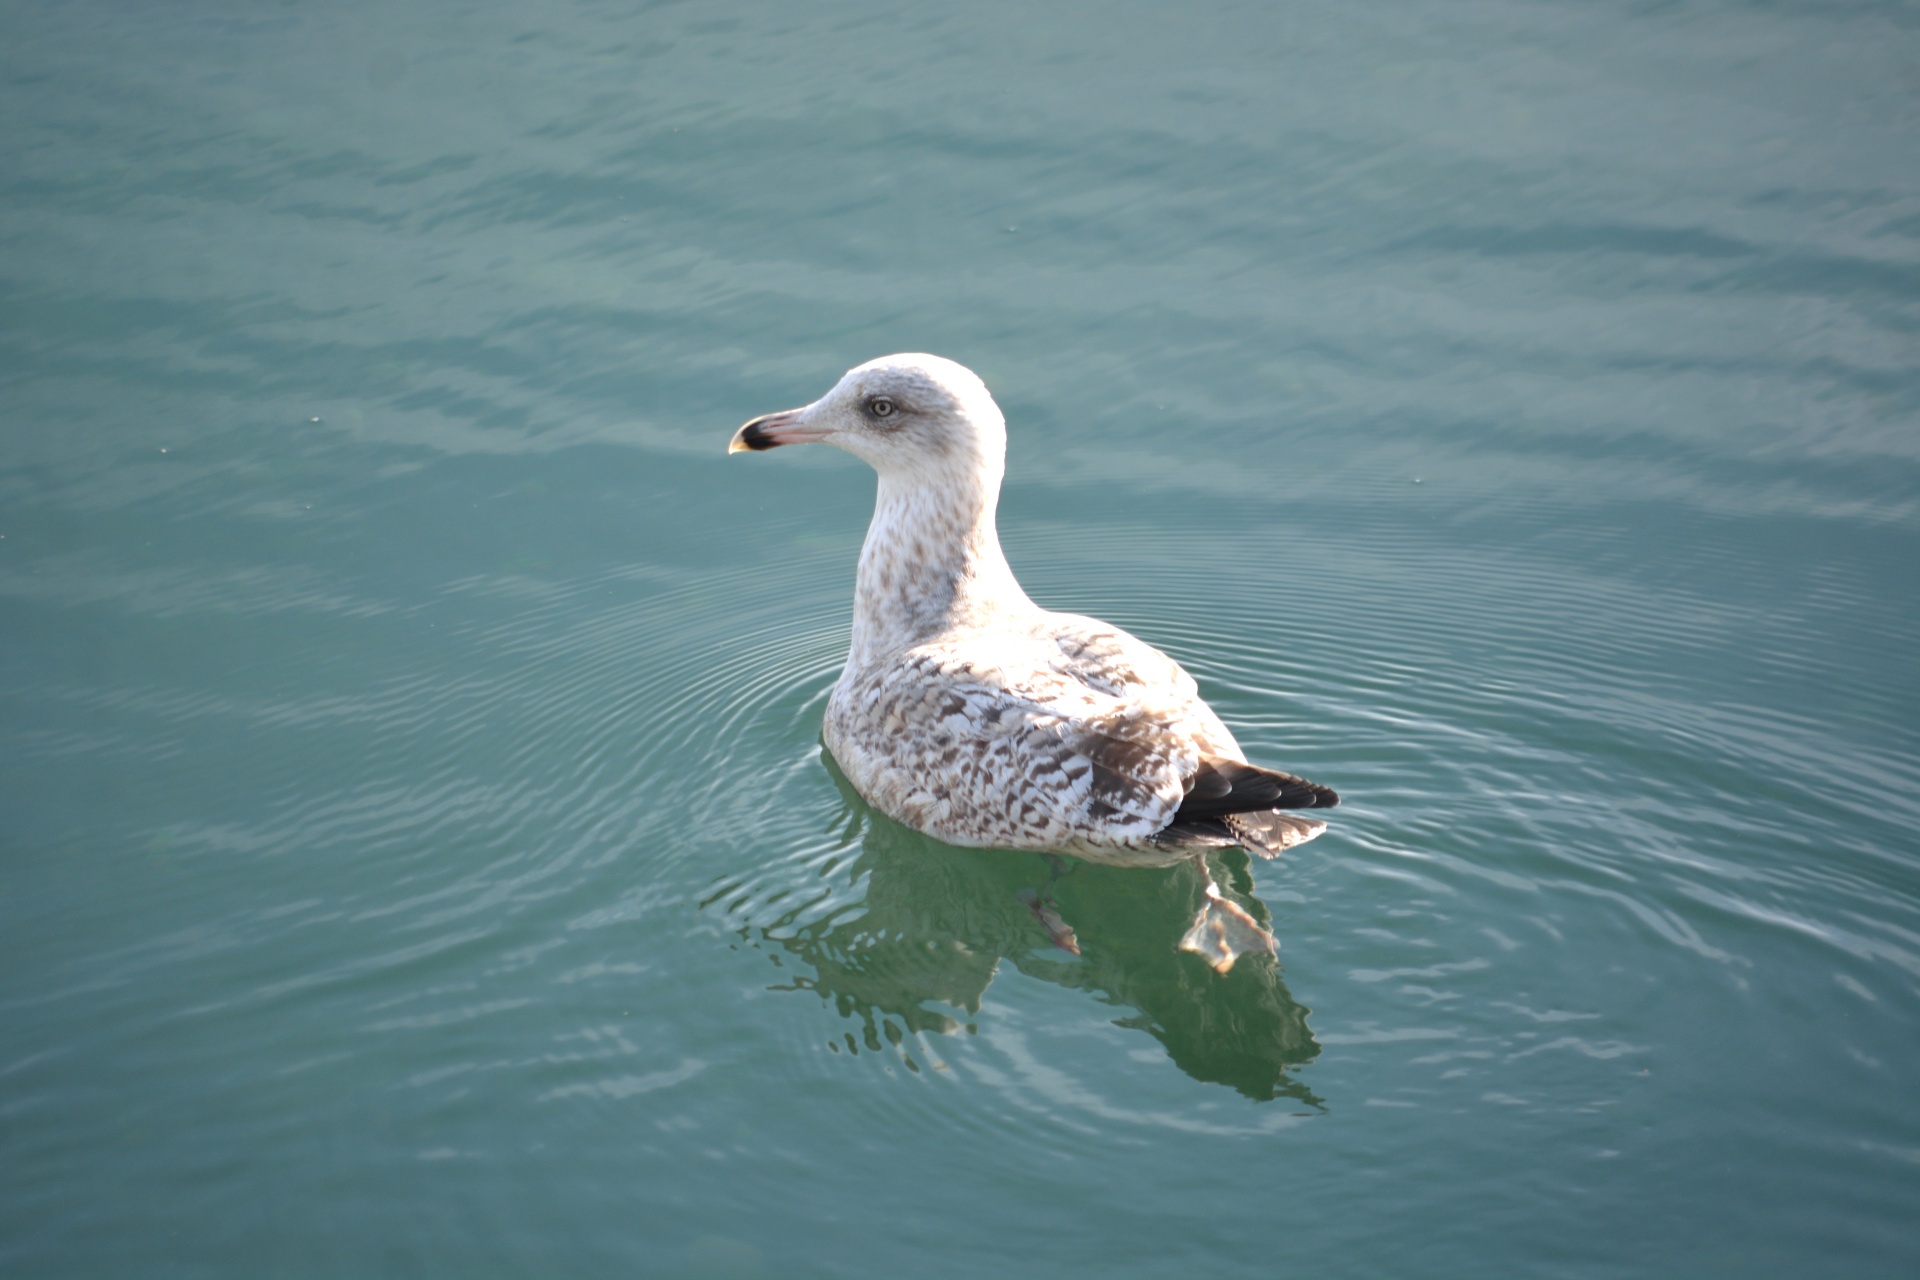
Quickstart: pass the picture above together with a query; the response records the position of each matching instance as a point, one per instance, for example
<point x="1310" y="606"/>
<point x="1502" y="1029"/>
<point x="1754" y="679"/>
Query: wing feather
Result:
<point x="1074" y="735"/>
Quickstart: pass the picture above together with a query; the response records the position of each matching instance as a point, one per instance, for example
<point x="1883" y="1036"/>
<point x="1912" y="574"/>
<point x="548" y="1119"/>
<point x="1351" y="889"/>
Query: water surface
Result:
<point x="418" y="853"/>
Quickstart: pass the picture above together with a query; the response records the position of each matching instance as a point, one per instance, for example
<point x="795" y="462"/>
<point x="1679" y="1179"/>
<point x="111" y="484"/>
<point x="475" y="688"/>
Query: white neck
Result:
<point x="931" y="563"/>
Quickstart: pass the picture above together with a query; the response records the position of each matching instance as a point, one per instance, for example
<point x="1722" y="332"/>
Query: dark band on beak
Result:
<point x="756" y="435"/>
<point x="771" y="430"/>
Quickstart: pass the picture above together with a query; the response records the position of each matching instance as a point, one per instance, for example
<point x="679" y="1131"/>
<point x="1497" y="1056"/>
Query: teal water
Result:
<point x="417" y="854"/>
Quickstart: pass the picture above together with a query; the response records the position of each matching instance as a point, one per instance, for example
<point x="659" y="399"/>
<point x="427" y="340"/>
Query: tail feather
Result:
<point x="1271" y="834"/>
<point x="1233" y="802"/>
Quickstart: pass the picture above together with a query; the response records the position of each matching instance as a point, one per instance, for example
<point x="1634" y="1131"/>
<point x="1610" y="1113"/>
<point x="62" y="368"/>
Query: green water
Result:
<point x="416" y="855"/>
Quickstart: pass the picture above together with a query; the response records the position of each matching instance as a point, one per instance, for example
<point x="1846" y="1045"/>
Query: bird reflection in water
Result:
<point x="939" y="921"/>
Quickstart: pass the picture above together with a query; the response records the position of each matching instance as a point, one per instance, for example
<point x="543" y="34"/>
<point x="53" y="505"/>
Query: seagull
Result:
<point x="969" y="713"/>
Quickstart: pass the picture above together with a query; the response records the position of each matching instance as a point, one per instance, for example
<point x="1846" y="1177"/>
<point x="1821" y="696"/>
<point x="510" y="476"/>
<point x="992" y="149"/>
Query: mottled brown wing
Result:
<point x="1106" y="658"/>
<point x="1029" y="754"/>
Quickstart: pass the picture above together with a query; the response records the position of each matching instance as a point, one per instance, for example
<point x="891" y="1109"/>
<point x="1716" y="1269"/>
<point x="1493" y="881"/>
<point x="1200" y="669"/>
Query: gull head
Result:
<point x="913" y="418"/>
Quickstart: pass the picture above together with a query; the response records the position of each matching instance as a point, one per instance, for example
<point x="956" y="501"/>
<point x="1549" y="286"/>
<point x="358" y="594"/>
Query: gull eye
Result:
<point x="880" y="407"/>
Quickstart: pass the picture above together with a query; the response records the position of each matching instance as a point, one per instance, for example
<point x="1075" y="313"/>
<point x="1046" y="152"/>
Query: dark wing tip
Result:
<point x="1220" y="787"/>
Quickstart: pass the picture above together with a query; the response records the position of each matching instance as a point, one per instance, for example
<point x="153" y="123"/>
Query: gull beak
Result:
<point x="769" y="431"/>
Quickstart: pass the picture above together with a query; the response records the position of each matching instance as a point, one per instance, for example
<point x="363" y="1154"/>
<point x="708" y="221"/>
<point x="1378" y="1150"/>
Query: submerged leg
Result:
<point x="1223" y="931"/>
<point x="1046" y="910"/>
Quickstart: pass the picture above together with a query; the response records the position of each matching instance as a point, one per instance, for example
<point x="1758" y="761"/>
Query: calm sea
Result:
<point x="416" y="853"/>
